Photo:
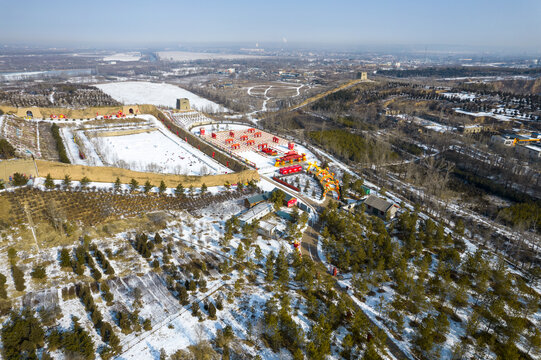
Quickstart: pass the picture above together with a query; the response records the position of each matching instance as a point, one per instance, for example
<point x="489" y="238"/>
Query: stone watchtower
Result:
<point x="183" y="104"/>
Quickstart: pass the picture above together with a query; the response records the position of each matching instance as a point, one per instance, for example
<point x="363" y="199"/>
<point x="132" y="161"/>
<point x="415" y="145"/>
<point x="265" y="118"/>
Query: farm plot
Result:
<point x="47" y="144"/>
<point x="22" y="134"/>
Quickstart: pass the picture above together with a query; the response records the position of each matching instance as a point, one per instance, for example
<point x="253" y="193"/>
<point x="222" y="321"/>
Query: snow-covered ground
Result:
<point x="159" y="94"/>
<point x="180" y="330"/>
<point x="508" y="115"/>
<point x="461" y="95"/>
<point x="432" y="125"/>
<point x="264" y="164"/>
<point x="72" y="150"/>
<point x="157" y="150"/>
<point x="125" y="56"/>
<point x="152" y="151"/>
<point x="20" y="75"/>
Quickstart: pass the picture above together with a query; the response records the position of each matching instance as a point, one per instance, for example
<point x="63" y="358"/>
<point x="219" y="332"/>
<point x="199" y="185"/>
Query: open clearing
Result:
<point x="127" y="56"/>
<point x="154" y="151"/>
<point x="159" y="94"/>
<point x="148" y="147"/>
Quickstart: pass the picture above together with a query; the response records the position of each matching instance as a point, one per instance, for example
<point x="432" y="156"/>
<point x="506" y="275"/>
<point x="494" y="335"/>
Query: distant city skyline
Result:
<point x="480" y="24"/>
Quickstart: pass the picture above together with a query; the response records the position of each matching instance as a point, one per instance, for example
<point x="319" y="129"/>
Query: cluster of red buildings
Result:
<point x="292" y="156"/>
<point x="291" y="169"/>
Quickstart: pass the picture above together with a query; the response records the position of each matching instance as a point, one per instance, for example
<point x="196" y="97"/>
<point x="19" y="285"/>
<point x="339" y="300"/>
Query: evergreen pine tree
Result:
<point x="65" y="259"/>
<point x="3" y="291"/>
<point x="117" y="185"/>
<point x="67" y="181"/>
<point x="49" y="183"/>
<point x="18" y="278"/>
<point x="162" y="187"/>
<point x="195" y="308"/>
<point x="84" y="182"/>
<point x="147" y="187"/>
<point x="269" y="267"/>
<point x="179" y="190"/>
<point x="282" y="267"/>
<point x="239" y="254"/>
<point x="134" y="185"/>
<point x="212" y="311"/>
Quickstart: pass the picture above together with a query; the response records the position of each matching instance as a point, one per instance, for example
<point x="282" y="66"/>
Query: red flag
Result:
<point x="213" y="154"/>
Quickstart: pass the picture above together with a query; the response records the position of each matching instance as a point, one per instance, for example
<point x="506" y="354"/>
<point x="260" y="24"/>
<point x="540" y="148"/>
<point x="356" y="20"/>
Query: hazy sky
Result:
<point x="481" y="23"/>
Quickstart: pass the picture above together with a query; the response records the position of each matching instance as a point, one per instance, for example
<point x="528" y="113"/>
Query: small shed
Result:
<point x="255" y="213"/>
<point x="380" y="207"/>
<point x="267" y="228"/>
<point x="284" y="215"/>
<point x="289" y="200"/>
<point x="256" y="199"/>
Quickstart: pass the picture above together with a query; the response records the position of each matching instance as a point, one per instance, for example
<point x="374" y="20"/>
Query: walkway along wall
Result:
<point x="84" y="113"/>
<point x="193" y="140"/>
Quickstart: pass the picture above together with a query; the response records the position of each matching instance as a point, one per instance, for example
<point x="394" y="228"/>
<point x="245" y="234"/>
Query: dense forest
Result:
<point x="523" y="215"/>
<point x="352" y="147"/>
<point x="459" y="71"/>
<point x="437" y="283"/>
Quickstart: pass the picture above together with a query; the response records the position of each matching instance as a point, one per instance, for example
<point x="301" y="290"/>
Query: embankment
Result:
<point x="109" y="174"/>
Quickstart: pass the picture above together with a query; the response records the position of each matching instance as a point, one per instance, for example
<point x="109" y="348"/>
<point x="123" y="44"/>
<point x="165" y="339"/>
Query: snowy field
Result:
<point x="154" y="151"/>
<point x="501" y="113"/>
<point x="433" y="125"/>
<point x="461" y="95"/>
<point x="159" y="94"/>
<point x="127" y="56"/>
